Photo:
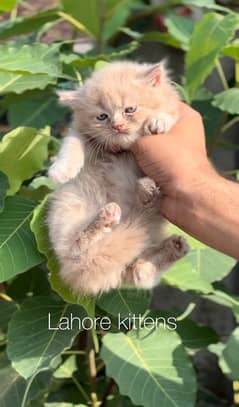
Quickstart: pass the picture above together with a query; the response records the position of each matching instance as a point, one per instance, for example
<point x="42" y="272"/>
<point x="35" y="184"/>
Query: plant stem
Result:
<point x="80" y="388"/>
<point x="93" y="374"/>
<point x="221" y="75"/>
<point x="230" y="124"/>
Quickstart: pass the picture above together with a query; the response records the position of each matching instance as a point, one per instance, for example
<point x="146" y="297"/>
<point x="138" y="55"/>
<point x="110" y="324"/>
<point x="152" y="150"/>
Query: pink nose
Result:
<point x="117" y="126"/>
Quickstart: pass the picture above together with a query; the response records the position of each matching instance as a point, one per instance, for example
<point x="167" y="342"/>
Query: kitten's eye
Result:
<point x="102" y="116"/>
<point x="130" y="109"/>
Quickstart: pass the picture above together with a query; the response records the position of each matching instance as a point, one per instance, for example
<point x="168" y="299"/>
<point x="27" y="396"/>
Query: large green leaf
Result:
<point x="18" y="251"/>
<point x="4" y="185"/>
<point x="116" y="17"/>
<point x="228" y="360"/>
<point x="7" y="309"/>
<point x="7" y="5"/>
<point x="13" y="386"/>
<point x="211" y="34"/>
<point x="26" y="24"/>
<point x="228" y="100"/>
<point x="38" y="333"/>
<point x="210" y="4"/>
<point x="36" y="59"/>
<point x="125" y="302"/>
<point x="40" y="230"/>
<point x="180" y="28"/>
<point x="87" y="13"/>
<point x="232" y="50"/>
<point x="19" y="83"/>
<point x="151" y="367"/>
<point x="22" y="153"/>
<point x="199" y="268"/>
<point x="228" y="355"/>
<point x="37" y="112"/>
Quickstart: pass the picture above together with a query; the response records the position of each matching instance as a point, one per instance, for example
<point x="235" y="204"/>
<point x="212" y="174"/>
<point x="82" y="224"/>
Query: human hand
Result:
<point x="176" y="160"/>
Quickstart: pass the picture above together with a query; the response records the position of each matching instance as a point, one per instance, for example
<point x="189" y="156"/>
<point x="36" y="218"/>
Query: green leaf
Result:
<point x="164" y="38"/>
<point x="7" y="5"/>
<point x="91" y="60"/>
<point x="35" y="59"/>
<point x="210" y="4"/>
<point x="228" y="361"/>
<point x="87" y="13"/>
<point x="26" y="24"/>
<point x="199" y="268"/>
<point x="212" y="117"/>
<point x="32" y="340"/>
<point x="13" y="386"/>
<point x="116" y="17"/>
<point x="211" y="34"/>
<point x="227" y="101"/>
<point x="180" y="28"/>
<point x="64" y="405"/>
<point x="7" y="309"/>
<point x="18" y="251"/>
<point x="19" y="83"/>
<point x="125" y="302"/>
<point x="66" y="369"/>
<point x="22" y="153"/>
<point x="40" y="230"/>
<point x="44" y="110"/>
<point x="232" y="50"/>
<point x="4" y="185"/>
<point x="151" y="367"/>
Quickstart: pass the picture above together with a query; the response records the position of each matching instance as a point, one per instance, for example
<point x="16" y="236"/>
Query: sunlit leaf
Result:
<point x="211" y="34"/>
<point x="151" y="367"/>
<point x="22" y="153"/>
<point x="227" y="101"/>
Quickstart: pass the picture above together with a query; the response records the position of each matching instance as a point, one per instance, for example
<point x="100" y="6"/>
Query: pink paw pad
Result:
<point x="110" y="215"/>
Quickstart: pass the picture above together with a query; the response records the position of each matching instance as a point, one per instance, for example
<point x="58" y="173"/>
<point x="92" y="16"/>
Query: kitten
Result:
<point x="104" y="224"/>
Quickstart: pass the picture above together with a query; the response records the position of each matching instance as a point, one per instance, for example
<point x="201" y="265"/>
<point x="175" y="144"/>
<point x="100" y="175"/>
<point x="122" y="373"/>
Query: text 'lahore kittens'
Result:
<point x="104" y="220"/>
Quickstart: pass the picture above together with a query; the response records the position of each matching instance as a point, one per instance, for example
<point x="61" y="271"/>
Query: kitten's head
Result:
<point x="112" y="105"/>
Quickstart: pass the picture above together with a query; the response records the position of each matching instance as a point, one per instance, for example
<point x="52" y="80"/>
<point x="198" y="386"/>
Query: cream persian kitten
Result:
<point x="104" y="221"/>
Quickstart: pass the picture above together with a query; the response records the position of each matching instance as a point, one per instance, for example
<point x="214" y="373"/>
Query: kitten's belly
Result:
<point x="122" y="173"/>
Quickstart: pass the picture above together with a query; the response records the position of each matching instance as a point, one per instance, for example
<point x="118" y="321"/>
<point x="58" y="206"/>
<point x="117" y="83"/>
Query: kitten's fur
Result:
<point x="104" y="224"/>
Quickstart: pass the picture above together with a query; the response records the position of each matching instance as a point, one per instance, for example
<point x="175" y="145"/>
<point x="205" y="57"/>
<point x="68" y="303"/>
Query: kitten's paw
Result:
<point x="159" y="124"/>
<point x="110" y="216"/>
<point x="62" y="171"/>
<point x="177" y="247"/>
<point x="148" y="190"/>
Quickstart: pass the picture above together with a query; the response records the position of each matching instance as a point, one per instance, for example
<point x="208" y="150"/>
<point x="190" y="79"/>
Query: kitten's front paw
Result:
<point x="177" y="247"/>
<point x="110" y="216"/>
<point x="148" y="190"/>
<point x="62" y="171"/>
<point x="160" y="124"/>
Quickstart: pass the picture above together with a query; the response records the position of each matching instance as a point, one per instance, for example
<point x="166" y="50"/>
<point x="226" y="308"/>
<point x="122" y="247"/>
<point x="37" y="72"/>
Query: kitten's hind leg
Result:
<point x="108" y="217"/>
<point x="145" y="271"/>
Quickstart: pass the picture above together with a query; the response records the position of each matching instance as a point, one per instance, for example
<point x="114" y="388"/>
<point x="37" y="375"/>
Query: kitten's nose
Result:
<point x="117" y="126"/>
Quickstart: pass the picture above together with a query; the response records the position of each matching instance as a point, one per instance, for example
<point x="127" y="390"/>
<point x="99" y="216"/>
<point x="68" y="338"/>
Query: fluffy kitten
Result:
<point x="104" y="223"/>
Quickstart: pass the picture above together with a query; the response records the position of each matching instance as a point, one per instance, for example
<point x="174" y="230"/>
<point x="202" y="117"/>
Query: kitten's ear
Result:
<point x="68" y="97"/>
<point x="156" y="74"/>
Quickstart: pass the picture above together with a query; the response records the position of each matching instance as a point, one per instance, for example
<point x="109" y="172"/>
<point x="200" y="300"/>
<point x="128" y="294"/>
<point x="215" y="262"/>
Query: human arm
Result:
<point x="194" y="196"/>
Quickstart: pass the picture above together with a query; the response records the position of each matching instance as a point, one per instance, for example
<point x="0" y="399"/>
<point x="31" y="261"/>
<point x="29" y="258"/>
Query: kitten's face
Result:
<point x="112" y="106"/>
